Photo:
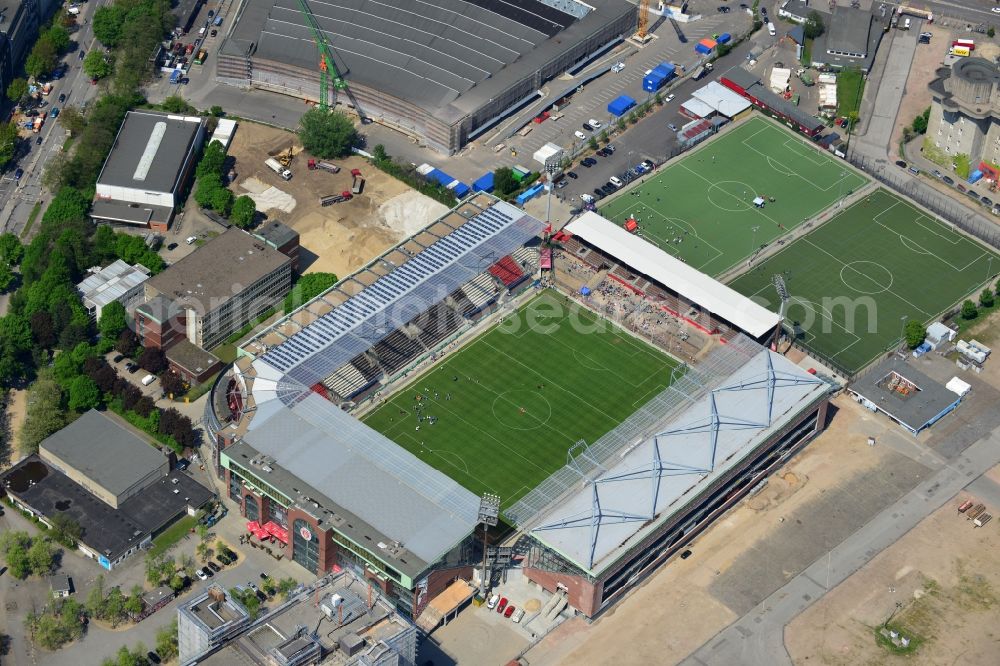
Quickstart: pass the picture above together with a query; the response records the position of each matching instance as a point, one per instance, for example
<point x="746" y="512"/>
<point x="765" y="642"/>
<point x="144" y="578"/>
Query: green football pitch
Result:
<point x="854" y="281"/>
<point x="700" y="208"/>
<point x="507" y="406"/>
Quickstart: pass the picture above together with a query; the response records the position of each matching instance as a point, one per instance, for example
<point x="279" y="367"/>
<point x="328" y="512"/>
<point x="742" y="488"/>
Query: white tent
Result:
<point x="780" y="76"/>
<point x="957" y="386"/>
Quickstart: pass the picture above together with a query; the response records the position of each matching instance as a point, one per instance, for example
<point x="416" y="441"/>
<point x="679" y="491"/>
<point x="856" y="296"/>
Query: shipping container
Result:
<point x="724" y="38"/>
<point x="653" y="82"/>
<point x="666" y="69"/>
<point x="620" y="106"/>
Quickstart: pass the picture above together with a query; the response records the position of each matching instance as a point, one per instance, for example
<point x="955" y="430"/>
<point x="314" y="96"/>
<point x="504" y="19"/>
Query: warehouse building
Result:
<point x="110" y="479"/>
<point x="115" y="282"/>
<point x="213" y="292"/>
<point x="748" y="85"/>
<point x="441" y="71"/>
<point x="143" y="178"/>
<point x="637" y="495"/>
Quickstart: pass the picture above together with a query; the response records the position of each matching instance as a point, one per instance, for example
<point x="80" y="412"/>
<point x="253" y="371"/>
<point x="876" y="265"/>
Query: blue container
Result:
<point x="666" y="69"/>
<point x="460" y="190"/>
<point x="653" y="81"/>
<point x="702" y="49"/>
<point x="975" y="176"/>
<point x="484" y="183"/>
<point x="724" y="37"/>
<point x="620" y="106"/>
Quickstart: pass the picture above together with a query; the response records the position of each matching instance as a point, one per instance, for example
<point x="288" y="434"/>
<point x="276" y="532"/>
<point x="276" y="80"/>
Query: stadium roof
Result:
<point x="150" y="151"/>
<point x="597" y="521"/>
<point x="399" y="496"/>
<point x="427" y="52"/>
<point x="315" y="352"/>
<point x="666" y="269"/>
<point x="106" y="449"/>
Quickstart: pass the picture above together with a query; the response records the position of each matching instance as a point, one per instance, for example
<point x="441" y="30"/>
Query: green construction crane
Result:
<point x="327" y="64"/>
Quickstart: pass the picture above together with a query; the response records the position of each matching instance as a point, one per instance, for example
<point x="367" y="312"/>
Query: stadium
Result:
<point x="440" y="73"/>
<point x="362" y="429"/>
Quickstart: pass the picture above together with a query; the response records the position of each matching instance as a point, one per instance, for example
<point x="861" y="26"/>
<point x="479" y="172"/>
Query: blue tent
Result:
<point x="618" y="107"/>
<point x="484" y="183"/>
<point x="585" y="291"/>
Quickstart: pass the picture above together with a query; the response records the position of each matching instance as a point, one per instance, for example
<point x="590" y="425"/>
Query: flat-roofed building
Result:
<point x="117" y="281"/>
<point x="151" y="161"/>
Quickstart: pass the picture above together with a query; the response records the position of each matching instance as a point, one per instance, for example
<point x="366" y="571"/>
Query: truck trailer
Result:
<point x="322" y="164"/>
<point x="358" y="183"/>
<point x="331" y="199"/>
<point x="275" y="166"/>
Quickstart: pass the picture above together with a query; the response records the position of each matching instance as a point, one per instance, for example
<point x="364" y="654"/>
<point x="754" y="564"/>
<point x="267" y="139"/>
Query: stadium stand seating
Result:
<point x="346" y="382"/>
<point x="481" y="290"/>
<point x="462" y="304"/>
<point x="436" y="324"/>
<point x="396" y="350"/>
<point x="366" y="367"/>
<point x="507" y="271"/>
<point x="527" y="257"/>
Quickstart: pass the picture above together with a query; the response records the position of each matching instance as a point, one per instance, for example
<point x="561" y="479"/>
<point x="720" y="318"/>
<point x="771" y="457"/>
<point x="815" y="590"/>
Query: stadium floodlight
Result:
<point x="489" y="514"/>
<point x="779" y="285"/>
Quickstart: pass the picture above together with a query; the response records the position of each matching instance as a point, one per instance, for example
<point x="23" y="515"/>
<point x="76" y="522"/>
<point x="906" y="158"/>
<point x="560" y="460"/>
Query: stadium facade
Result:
<point x="442" y="71"/>
<point x="306" y="471"/>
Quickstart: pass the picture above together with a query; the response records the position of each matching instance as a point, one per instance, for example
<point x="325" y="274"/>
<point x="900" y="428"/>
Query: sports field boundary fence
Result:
<point x="945" y="207"/>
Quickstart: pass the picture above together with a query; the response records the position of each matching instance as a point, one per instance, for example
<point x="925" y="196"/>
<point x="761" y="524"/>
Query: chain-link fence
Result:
<point x="946" y="207"/>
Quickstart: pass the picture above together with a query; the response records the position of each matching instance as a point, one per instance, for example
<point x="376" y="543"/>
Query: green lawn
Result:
<point x="850" y="90"/>
<point x="170" y="536"/>
<point x="853" y="280"/>
<point x="700" y="208"/>
<point x="512" y="402"/>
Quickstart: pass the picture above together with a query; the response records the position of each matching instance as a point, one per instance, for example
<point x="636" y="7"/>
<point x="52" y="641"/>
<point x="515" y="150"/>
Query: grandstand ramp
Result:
<point x="454" y="597"/>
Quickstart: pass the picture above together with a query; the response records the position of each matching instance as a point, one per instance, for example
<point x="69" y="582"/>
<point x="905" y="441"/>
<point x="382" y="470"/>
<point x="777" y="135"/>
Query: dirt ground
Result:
<point x="17" y="408"/>
<point x="339" y="238"/>
<point x="675" y="610"/>
<point x="944" y="599"/>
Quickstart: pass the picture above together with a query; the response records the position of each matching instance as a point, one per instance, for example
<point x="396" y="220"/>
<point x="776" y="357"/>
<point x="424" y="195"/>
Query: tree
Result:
<point x="8" y="142"/>
<point x="114" y="606"/>
<point x="216" y="111"/>
<point x="285" y="587"/>
<point x="201" y="550"/>
<point x="83" y="394"/>
<point x="604" y="138"/>
<point x="95" y="598"/>
<point x="44" y="413"/>
<point x="17" y="561"/>
<point x="6" y="277"/>
<point x="986" y="298"/>
<point x="222" y="201"/>
<point x="16" y="90"/>
<point x="114" y="320"/>
<point x="127" y="343"/>
<point x="969" y="310"/>
<point x="96" y="64"/>
<point x="153" y="360"/>
<point x="915" y="333"/>
<point x="171" y="384"/>
<point x="814" y="26"/>
<point x="108" y="24"/>
<point x="920" y="122"/>
<point x="177" y="104"/>
<point x="327" y="134"/>
<point x="592" y="143"/>
<point x="306" y="288"/>
<point x="69" y="205"/>
<point x="42" y="60"/>
<point x="176" y="583"/>
<point x="166" y="641"/>
<point x="11" y="250"/>
<point x="133" y="603"/>
<point x="244" y="211"/>
<point x="65" y="530"/>
<point x="73" y="120"/>
<point x="379" y="154"/>
<point x="58" y="37"/>
<point x="991" y="32"/>
<point x="503" y="181"/>
<point x="158" y="568"/>
<point x="41" y="557"/>
<point x="249" y="599"/>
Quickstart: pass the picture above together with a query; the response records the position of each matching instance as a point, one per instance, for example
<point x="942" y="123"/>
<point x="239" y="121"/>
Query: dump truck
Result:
<point x="276" y="167"/>
<point x="358" y="183"/>
<point x="331" y="199"/>
<point x="326" y="166"/>
<point x="974" y="512"/>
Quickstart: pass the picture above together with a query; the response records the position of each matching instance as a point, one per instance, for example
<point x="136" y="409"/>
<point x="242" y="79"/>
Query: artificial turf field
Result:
<point x="526" y="391"/>
<point x="705" y="199"/>
<point x="853" y="279"/>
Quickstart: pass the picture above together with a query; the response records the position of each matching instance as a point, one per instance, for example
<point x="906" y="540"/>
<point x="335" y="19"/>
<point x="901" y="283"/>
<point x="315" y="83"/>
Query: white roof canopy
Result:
<point x="671" y="272"/>
<point x="722" y="99"/>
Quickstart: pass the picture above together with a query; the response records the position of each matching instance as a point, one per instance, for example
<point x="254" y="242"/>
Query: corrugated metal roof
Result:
<point x="690" y="283"/>
<point x="112" y="282"/>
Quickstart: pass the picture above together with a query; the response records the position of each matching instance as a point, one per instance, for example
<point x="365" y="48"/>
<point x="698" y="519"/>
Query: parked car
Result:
<point x="672" y="127"/>
<point x="200" y="573"/>
<point x="937" y="174"/>
<point x="610" y="148"/>
<point x="608" y="189"/>
<point x="502" y="605"/>
<point x="618" y="66"/>
<point x="596" y="124"/>
<point x="669" y="98"/>
<point x="580" y="135"/>
<point x="722" y="9"/>
<point x="561" y="184"/>
<point x="588" y="127"/>
<point x="987" y="201"/>
<point x="62" y="97"/>
<point x="492" y="601"/>
<point x="598" y="192"/>
<point x="588" y="161"/>
<point x="172" y="246"/>
<point x="214" y="32"/>
<point x="55" y="111"/>
<point x="118" y="358"/>
<point x="961" y="188"/>
<point x="947" y="180"/>
<point x="518" y="615"/>
<point x="153" y="657"/>
<point x="18" y="173"/>
<point x="510" y="611"/>
<point x="38" y="141"/>
<point x="901" y="164"/>
<point x="214" y="567"/>
<point x="263" y="576"/>
<point x="686" y="554"/>
<point x="572" y="174"/>
<point x="252" y="586"/>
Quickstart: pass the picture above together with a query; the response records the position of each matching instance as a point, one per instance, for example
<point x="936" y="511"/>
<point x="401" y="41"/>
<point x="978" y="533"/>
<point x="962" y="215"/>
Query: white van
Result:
<point x="770" y="29"/>
<point x="906" y="24"/>
<point x="148" y="379"/>
<point x="616" y="181"/>
<point x="190" y="240"/>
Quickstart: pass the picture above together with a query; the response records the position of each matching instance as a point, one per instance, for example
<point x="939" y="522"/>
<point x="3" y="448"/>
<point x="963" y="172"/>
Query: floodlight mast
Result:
<point x="778" y="280"/>
<point x="489" y="513"/>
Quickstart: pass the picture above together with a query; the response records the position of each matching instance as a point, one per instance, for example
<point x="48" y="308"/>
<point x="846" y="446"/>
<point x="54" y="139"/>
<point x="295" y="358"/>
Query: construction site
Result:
<point x="342" y="235"/>
<point x="439" y="73"/>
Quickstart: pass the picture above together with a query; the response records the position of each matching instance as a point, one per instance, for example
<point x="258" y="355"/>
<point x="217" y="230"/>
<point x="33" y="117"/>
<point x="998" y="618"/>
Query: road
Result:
<point x="757" y="638"/>
<point x="18" y="198"/>
<point x="973" y="11"/>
